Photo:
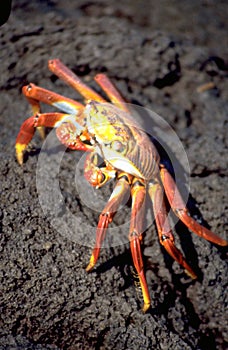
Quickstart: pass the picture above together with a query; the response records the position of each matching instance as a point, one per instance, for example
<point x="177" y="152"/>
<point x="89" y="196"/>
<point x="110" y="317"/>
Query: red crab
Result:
<point x="129" y="156"/>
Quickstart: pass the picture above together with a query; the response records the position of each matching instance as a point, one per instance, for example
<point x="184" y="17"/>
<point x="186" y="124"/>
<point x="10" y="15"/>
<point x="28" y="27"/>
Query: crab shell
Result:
<point x="120" y="141"/>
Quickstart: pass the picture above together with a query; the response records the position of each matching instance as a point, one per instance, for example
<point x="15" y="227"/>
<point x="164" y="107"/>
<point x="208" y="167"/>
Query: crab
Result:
<point x="129" y="156"/>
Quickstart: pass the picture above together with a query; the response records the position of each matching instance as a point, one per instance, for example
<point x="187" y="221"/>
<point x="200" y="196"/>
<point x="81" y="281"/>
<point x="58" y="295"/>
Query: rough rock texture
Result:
<point x="48" y="301"/>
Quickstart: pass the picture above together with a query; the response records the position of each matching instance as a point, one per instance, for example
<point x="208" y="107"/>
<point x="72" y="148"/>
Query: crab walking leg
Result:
<point x="65" y="74"/>
<point x="111" y="91"/>
<point x="36" y="94"/>
<point x="164" y="230"/>
<point x="24" y="136"/>
<point x="29" y="126"/>
<point x="178" y="206"/>
<point x="138" y="193"/>
<point x="35" y="106"/>
<point x="119" y="195"/>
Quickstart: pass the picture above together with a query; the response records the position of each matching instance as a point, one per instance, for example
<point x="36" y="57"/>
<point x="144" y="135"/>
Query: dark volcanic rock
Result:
<point x="48" y="301"/>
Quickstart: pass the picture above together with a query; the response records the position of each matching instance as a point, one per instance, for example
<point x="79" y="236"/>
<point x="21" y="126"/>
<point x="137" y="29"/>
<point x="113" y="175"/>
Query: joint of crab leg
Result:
<point x="35" y="105"/>
<point x="138" y="193"/>
<point x="35" y="93"/>
<point x="29" y="126"/>
<point x="178" y="206"/>
<point x="198" y="229"/>
<point x="119" y="194"/>
<point x="104" y="220"/>
<point x="111" y="91"/>
<point x="164" y="230"/>
<point x="167" y="241"/>
<point x="135" y="245"/>
<point x="64" y="73"/>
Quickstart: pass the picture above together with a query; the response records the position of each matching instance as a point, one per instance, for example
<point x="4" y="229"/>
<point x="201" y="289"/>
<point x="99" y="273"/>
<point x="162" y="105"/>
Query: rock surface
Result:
<point x="48" y="301"/>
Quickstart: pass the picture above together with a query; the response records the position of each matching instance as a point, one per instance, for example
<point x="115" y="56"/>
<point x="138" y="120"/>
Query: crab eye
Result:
<point x="118" y="146"/>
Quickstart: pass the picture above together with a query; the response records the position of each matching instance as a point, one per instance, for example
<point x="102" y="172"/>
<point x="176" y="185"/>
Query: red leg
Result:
<point x="138" y="193"/>
<point x="47" y="120"/>
<point x="28" y="128"/>
<point x="164" y="231"/>
<point x="111" y="91"/>
<point x="35" y="105"/>
<point x="24" y="137"/>
<point x="179" y="208"/>
<point x="120" y="192"/>
<point x="64" y="73"/>
<point x="36" y="94"/>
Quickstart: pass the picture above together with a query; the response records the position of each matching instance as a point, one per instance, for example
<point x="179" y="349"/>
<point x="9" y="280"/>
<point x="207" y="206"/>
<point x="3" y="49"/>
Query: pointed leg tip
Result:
<point x="20" y="159"/>
<point x="146" y="307"/>
<point x="91" y="263"/>
<point x="219" y="241"/>
<point x="20" y="149"/>
<point x="191" y="274"/>
<point x="90" y="267"/>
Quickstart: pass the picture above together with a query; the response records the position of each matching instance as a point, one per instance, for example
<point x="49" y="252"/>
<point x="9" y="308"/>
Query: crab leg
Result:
<point x="138" y="193"/>
<point x="51" y="120"/>
<point x="111" y="91"/>
<point x="179" y="208"/>
<point x="28" y="128"/>
<point x="119" y="194"/>
<point x="164" y="230"/>
<point x="64" y="73"/>
<point x="36" y="94"/>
